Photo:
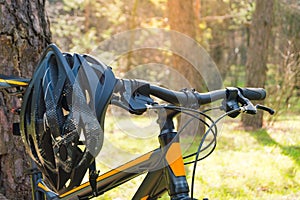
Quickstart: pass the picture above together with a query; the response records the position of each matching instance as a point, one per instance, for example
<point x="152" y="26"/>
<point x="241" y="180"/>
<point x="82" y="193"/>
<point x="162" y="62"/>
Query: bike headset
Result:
<point x="65" y="101"/>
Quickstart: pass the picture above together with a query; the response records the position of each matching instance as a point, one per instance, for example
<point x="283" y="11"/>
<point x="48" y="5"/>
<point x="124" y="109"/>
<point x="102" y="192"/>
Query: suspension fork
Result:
<point x="174" y="167"/>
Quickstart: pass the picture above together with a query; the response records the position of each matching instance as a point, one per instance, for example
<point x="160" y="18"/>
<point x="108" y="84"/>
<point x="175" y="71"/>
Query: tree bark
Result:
<point x="24" y="33"/>
<point x="257" y="55"/>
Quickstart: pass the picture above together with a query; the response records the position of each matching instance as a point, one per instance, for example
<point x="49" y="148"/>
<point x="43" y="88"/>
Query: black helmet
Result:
<point x="63" y="113"/>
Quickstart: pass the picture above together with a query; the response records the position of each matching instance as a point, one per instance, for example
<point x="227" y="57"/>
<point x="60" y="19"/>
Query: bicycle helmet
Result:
<point x="62" y="115"/>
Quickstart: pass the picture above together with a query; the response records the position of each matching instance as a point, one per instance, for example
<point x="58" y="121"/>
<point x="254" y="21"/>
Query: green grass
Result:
<point x="264" y="164"/>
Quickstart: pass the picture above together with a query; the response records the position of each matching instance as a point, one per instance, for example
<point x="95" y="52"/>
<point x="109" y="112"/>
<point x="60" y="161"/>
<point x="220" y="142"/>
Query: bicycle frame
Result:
<point x="164" y="166"/>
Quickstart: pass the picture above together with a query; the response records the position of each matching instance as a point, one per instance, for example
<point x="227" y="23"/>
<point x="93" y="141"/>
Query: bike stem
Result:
<point x="173" y="162"/>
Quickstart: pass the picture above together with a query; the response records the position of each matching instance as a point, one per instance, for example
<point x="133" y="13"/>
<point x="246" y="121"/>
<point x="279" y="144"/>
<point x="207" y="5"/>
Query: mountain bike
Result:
<point x="164" y="166"/>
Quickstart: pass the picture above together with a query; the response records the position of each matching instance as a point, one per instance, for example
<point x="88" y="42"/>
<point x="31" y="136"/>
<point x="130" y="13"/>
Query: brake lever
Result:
<point x="265" y="108"/>
<point x="248" y="107"/>
<point x="234" y="97"/>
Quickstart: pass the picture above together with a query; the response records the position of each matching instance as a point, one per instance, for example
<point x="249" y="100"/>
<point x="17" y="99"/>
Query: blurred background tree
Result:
<point x="257" y="54"/>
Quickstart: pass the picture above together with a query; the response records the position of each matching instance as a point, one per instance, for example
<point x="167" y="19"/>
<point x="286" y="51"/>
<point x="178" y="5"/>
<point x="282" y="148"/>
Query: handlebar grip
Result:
<point x="253" y="93"/>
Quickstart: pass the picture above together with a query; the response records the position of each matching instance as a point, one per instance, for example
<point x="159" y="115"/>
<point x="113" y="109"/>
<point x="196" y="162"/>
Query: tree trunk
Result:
<point x="260" y="32"/>
<point x="24" y="33"/>
<point x="181" y="17"/>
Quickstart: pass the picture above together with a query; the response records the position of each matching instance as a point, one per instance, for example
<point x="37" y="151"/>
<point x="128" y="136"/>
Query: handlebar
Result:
<point x="136" y="95"/>
<point x="186" y="96"/>
<point x="176" y="97"/>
